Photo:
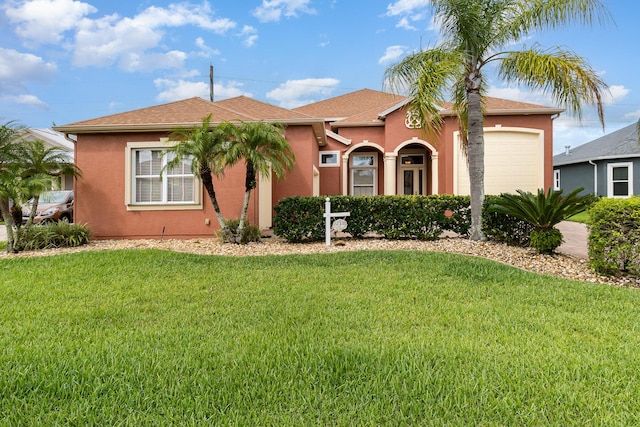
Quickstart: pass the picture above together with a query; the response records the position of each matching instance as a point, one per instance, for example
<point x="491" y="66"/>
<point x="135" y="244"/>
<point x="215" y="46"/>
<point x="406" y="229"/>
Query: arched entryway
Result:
<point x="416" y="164"/>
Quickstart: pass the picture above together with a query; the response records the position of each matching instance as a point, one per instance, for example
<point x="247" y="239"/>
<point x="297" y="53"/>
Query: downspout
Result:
<point x="595" y="177"/>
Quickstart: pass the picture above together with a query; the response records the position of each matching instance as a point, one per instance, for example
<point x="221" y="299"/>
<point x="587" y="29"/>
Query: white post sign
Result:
<point x="340" y="224"/>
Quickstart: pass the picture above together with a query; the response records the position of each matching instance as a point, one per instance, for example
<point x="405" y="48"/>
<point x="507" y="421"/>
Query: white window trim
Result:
<point x="610" y="166"/>
<point x="334" y="153"/>
<point x="556" y="179"/>
<point x="129" y="172"/>
<point x="374" y="167"/>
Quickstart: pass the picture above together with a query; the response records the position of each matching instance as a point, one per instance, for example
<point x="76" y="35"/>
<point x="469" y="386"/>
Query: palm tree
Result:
<point x="38" y="165"/>
<point x="264" y="149"/>
<point x="9" y="132"/>
<point x="205" y="146"/>
<point x="479" y="33"/>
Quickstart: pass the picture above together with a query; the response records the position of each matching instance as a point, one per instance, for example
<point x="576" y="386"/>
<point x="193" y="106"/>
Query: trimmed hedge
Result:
<point x="300" y="219"/>
<point x="614" y="238"/>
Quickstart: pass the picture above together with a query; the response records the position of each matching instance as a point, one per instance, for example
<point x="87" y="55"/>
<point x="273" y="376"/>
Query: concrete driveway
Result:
<point x="575" y="237"/>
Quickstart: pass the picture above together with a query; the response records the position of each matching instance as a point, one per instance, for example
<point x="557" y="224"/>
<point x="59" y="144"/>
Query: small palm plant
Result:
<point x="543" y="212"/>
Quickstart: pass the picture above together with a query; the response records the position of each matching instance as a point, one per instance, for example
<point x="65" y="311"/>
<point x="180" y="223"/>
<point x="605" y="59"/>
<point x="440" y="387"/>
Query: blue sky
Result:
<point x="63" y="61"/>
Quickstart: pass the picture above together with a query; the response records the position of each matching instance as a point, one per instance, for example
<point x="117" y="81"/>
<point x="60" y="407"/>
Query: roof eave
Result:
<point x="375" y="123"/>
<point x="513" y="112"/>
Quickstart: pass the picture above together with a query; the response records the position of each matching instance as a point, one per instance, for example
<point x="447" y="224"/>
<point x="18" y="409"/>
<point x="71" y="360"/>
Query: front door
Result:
<point x="413" y="180"/>
<point x="412" y="172"/>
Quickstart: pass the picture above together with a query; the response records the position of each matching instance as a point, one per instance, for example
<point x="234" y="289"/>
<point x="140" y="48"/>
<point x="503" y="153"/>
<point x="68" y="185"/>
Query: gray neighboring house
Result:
<point x="608" y="166"/>
<point x="57" y="140"/>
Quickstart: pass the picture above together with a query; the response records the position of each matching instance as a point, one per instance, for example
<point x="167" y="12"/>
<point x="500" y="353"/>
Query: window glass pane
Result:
<point x="620" y="174"/>
<point x="363" y="176"/>
<point x="143" y="162"/>
<point x="180" y="189"/>
<point x="328" y="159"/>
<point x="362" y="160"/>
<point x="363" y="191"/>
<point x="413" y="159"/>
<point x="148" y="190"/>
<point x="408" y="182"/>
<point x="620" y="188"/>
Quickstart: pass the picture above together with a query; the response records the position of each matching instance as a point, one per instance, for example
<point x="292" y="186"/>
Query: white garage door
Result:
<point x="513" y="160"/>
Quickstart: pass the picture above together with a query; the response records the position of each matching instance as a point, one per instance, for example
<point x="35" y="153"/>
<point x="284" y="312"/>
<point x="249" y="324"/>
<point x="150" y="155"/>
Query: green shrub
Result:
<point x="250" y="233"/>
<point x="300" y="219"/>
<point x="504" y="228"/>
<point x="614" y="238"/>
<point x="54" y="235"/>
<point x="546" y="241"/>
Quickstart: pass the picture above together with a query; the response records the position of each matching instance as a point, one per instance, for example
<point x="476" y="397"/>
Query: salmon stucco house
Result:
<point x="361" y="143"/>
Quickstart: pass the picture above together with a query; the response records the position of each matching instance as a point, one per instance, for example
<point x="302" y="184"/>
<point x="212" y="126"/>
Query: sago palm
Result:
<point x="264" y="150"/>
<point x="543" y="212"/>
<point x="477" y="34"/>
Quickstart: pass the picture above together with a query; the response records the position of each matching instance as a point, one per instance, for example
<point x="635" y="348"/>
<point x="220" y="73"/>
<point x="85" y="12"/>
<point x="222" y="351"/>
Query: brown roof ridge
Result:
<point x="287" y="113"/>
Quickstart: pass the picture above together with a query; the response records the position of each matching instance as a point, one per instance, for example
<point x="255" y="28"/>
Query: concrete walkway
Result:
<point x="575" y="238"/>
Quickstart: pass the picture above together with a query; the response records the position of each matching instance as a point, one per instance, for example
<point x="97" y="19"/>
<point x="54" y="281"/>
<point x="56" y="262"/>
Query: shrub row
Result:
<point x="614" y="238"/>
<point x="300" y="219"/>
<point x="54" y="235"/>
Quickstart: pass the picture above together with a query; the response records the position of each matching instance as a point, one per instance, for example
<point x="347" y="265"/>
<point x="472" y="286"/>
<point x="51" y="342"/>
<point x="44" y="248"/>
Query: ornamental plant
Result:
<point x="543" y="211"/>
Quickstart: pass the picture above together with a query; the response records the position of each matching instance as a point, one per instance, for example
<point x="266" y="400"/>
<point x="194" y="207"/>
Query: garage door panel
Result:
<point x="514" y="160"/>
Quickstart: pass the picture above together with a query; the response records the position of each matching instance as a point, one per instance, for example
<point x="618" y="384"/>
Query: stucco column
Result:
<point x="434" y="174"/>
<point x="390" y="178"/>
<point x="345" y="175"/>
<point x="265" y="201"/>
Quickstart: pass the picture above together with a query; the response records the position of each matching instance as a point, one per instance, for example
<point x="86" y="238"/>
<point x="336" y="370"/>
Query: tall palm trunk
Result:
<point x="207" y="182"/>
<point x="249" y="184"/>
<point x="6" y="214"/>
<point x="475" y="155"/>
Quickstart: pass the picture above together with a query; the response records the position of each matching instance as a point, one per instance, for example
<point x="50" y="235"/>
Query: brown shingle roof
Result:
<point x="186" y="112"/>
<point x="351" y="104"/>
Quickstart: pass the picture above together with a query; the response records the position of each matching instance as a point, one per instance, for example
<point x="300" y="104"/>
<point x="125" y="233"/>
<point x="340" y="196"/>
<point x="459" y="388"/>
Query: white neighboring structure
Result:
<point x="57" y="140"/>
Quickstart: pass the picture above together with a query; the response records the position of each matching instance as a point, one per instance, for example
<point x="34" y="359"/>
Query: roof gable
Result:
<point x="351" y="104"/>
<point x="621" y="143"/>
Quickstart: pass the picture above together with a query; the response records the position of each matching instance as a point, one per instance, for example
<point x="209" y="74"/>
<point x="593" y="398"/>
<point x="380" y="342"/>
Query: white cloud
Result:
<point x="391" y="54"/>
<point x="404" y="24"/>
<point x="273" y="10"/>
<point x="205" y="51"/>
<point x="45" y="21"/>
<point x="250" y="35"/>
<point x="295" y="93"/>
<point x="16" y="66"/>
<point x="406" y="7"/>
<point x="113" y="39"/>
<point x="174" y="90"/>
<point x="635" y="115"/>
<point x="24" y="99"/>
<point x="142" y="62"/>
<point x="615" y="94"/>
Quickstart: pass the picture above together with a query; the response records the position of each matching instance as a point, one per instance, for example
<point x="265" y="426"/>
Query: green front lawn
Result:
<point x="368" y="338"/>
<point x="582" y="217"/>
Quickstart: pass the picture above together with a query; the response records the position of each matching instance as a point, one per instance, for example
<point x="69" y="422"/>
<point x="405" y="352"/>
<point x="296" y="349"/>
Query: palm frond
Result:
<point x="569" y="78"/>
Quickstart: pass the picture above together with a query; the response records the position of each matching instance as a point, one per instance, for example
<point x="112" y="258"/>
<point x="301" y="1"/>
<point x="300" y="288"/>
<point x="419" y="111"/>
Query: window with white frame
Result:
<point x="556" y="179"/>
<point x="620" y="179"/>
<point x="329" y="158"/>
<point x="364" y="174"/>
<point x="153" y="185"/>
